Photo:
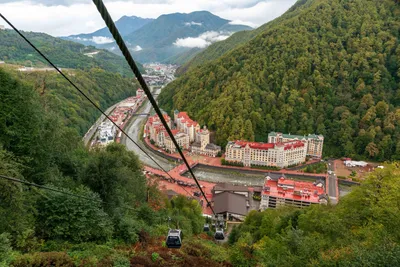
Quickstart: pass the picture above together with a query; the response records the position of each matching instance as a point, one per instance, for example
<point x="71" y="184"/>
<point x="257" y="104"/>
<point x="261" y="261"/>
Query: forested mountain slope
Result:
<point x="113" y="209"/>
<point x="332" y="68"/>
<point x="65" y="54"/>
<point x="103" y="87"/>
<point x="220" y="48"/>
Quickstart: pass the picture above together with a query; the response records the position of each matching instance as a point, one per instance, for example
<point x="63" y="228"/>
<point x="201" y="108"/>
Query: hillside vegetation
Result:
<point x="64" y="54"/>
<point x="44" y="228"/>
<point x="103" y="87"/>
<point x="329" y="67"/>
<point x="239" y="38"/>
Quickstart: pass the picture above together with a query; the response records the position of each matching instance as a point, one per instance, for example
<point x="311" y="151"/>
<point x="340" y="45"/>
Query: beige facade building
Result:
<point x="186" y="125"/>
<point x="279" y="155"/>
<point x="314" y="142"/>
<point x="202" y="146"/>
<point x="181" y="138"/>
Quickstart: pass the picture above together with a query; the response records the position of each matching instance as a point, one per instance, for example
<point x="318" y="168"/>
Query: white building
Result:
<point x="106" y="133"/>
<point x="2" y="27"/>
<point x="314" y="142"/>
<point x="352" y="163"/>
<point x="279" y="154"/>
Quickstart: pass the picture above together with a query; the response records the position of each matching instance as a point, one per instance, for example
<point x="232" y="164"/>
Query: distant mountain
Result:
<point x="125" y="25"/>
<point x="173" y="34"/>
<point x="329" y="67"/>
<point x="65" y="54"/>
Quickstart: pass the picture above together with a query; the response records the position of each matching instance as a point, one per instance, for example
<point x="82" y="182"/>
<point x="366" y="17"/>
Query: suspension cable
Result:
<point x="124" y="49"/>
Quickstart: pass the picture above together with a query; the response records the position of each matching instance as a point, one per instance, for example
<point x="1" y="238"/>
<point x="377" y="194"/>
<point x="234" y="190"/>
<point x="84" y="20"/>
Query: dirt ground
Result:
<point x="362" y="172"/>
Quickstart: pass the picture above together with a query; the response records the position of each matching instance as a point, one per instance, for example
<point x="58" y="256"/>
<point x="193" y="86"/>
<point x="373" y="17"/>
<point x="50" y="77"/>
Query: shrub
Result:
<point x="155" y="256"/>
<point x="121" y="261"/>
<point x="66" y="217"/>
<point x="6" y="253"/>
<point x="56" y="259"/>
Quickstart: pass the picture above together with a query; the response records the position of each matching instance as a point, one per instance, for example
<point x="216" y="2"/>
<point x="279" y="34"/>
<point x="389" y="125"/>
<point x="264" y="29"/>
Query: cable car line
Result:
<point x="13" y="179"/>
<point x="124" y="49"/>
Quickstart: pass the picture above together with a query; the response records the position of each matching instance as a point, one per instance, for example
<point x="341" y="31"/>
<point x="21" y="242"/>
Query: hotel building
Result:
<point x="279" y="154"/>
<point x="314" y="142"/>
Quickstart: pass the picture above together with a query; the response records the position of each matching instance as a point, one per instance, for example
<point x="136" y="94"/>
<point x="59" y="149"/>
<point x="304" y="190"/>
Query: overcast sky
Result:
<point x="66" y="17"/>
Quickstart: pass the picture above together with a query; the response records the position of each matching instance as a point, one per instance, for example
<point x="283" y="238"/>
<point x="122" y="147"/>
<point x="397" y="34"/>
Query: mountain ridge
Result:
<point x="125" y="25"/>
<point x="157" y="39"/>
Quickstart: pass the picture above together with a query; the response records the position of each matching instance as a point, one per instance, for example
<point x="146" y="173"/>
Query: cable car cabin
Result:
<point x="174" y="238"/>
<point x="219" y="234"/>
<point x="206" y="227"/>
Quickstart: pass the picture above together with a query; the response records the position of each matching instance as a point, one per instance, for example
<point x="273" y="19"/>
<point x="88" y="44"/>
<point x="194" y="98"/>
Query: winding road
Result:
<point x="133" y="130"/>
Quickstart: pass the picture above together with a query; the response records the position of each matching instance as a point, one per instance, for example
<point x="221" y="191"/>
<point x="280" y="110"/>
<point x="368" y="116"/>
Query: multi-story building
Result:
<point x="156" y="131"/>
<point x="186" y="125"/>
<point x="279" y="154"/>
<point x="106" y="133"/>
<point x="279" y="191"/>
<point x="314" y="142"/>
<point x="139" y="93"/>
<point x="2" y="27"/>
<point x="203" y="146"/>
<point x="181" y="138"/>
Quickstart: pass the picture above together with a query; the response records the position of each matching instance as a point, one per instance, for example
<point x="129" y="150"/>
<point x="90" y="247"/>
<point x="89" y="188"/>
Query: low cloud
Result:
<point x="203" y="40"/>
<point x="241" y="22"/>
<point x="137" y="48"/>
<point x="102" y="40"/>
<point x="95" y="39"/>
<point x="193" y="23"/>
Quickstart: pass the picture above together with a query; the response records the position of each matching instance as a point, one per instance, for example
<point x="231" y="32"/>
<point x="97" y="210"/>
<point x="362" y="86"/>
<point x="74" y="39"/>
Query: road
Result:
<point x="133" y="130"/>
<point x="332" y="180"/>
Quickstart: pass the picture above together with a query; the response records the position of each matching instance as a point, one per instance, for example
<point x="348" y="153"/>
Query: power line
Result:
<point x="122" y="46"/>
<point x="88" y="98"/>
<point x="49" y="188"/>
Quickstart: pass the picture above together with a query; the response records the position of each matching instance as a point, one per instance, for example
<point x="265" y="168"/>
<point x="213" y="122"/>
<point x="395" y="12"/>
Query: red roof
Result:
<point x="292" y="145"/>
<point x="254" y="145"/>
<point x="174" y="132"/>
<point x="186" y="119"/>
<point x="291" y="189"/>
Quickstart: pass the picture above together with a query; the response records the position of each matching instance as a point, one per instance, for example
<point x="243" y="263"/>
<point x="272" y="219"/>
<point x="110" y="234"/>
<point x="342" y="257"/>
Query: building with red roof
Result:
<point x="279" y="191"/>
<point x="279" y="155"/>
<point x="314" y="142"/>
<point x="186" y="125"/>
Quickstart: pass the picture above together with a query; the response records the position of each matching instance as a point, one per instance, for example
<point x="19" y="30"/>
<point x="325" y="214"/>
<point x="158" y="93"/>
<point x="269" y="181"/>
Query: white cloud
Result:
<point x="102" y="40"/>
<point x="241" y="22"/>
<point x="203" y="40"/>
<point x="193" y="23"/>
<point x="137" y="48"/>
<point x="66" y="17"/>
<point x="95" y="39"/>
